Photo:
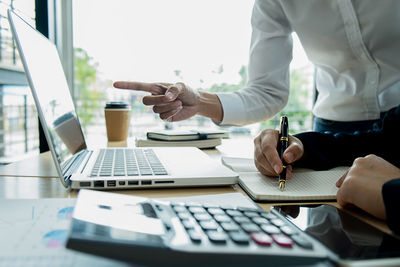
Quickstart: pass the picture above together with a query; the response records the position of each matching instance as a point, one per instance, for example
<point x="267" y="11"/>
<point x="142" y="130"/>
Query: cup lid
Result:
<point x="116" y="104"/>
<point x="63" y="118"/>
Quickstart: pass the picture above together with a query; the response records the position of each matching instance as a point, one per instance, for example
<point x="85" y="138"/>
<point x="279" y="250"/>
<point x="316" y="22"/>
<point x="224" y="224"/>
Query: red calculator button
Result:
<point x="283" y="240"/>
<point x="261" y="239"/>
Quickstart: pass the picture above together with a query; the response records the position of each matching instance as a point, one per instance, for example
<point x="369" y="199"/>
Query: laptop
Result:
<point x="107" y="168"/>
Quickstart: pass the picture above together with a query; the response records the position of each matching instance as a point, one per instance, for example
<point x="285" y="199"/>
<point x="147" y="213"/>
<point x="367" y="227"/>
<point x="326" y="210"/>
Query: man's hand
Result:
<point x="266" y="157"/>
<point x="361" y="185"/>
<point x="174" y="102"/>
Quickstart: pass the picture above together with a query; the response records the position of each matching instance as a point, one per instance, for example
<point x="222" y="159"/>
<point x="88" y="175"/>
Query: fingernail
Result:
<point x="169" y="95"/>
<point x="169" y="119"/>
<point x="276" y="168"/>
<point x="289" y="157"/>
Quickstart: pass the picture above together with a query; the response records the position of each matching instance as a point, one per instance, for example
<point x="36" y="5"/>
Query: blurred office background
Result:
<point x="204" y="44"/>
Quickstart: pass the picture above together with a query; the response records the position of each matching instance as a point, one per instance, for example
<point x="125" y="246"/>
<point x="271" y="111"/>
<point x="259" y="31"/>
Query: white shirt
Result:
<point x="354" y="45"/>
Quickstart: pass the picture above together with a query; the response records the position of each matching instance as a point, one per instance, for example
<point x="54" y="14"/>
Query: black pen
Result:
<point x="282" y="145"/>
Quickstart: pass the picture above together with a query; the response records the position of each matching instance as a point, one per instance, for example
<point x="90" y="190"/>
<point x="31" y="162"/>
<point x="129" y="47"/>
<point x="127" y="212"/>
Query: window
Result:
<point x="204" y="44"/>
<point x="9" y="58"/>
<point x="18" y="117"/>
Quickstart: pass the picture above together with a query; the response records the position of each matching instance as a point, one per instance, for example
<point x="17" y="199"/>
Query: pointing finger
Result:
<point x="154" y="88"/>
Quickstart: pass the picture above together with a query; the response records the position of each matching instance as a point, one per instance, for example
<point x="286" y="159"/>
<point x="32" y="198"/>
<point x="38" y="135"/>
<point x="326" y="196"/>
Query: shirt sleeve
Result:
<point x="267" y="90"/>
<point x="325" y="151"/>
<point x="391" y="198"/>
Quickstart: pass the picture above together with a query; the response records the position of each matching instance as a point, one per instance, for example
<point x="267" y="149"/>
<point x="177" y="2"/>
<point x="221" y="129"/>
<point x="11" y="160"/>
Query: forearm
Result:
<point x="210" y="106"/>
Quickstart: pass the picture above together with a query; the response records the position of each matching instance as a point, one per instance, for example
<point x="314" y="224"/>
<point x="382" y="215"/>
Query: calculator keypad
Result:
<point x="240" y="225"/>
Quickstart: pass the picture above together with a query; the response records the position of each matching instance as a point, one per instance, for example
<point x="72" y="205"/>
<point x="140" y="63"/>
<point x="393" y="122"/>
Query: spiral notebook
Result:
<point x="305" y="185"/>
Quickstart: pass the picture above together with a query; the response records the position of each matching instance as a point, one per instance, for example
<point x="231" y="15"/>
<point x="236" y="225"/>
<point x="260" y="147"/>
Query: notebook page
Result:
<point x="239" y="164"/>
<point x="304" y="185"/>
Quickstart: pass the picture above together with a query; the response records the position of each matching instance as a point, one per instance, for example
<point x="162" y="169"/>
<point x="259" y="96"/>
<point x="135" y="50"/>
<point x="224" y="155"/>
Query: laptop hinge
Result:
<point x="75" y="163"/>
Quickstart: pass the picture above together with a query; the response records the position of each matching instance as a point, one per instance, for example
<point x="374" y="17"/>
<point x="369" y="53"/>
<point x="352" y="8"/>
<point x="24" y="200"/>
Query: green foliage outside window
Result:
<point x="89" y="98"/>
<point x="296" y="109"/>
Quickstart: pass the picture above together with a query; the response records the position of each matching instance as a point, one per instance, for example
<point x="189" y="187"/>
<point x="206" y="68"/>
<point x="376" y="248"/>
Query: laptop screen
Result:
<point x="50" y="90"/>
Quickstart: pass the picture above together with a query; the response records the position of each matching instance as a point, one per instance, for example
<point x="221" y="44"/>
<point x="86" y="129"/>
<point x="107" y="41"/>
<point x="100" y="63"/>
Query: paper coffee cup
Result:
<point x="117" y="116"/>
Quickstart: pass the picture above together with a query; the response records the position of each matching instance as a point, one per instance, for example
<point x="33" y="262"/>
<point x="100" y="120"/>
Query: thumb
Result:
<point x="294" y="151"/>
<point x="174" y="90"/>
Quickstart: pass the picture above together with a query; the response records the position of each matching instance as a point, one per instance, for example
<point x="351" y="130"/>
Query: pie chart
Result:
<point x="65" y="213"/>
<point x="55" y="238"/>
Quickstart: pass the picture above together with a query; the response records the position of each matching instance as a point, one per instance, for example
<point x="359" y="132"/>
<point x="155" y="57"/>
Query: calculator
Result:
<point x="151" y="232"/>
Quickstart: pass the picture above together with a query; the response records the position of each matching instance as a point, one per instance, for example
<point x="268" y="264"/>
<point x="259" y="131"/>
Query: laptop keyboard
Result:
<point x="127" y="162"/>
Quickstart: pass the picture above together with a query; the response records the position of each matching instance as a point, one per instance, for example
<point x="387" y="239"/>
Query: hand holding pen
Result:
<point x="267" y="158"/>
<point x="282" y="146"/>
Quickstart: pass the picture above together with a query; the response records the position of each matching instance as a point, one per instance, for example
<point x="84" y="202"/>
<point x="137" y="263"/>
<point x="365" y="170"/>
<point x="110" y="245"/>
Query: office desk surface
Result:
<point x="36" y="166"/>
<point x="36" y="177"/>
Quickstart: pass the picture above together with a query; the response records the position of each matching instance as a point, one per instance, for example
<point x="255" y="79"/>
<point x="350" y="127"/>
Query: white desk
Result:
<point x="36" y="177"/>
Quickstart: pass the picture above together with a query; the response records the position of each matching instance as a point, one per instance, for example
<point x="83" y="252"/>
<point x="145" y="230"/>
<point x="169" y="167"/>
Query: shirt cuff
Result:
<point x="391" y="198"/>
<point x="232" y="106"/>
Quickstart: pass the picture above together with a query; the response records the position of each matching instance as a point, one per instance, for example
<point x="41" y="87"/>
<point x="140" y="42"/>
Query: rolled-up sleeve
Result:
<point x="267" y="89"/>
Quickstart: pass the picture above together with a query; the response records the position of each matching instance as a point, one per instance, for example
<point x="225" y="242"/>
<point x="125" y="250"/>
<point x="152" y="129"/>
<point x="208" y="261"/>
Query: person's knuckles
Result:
<point x="171" y="113"/>
<point x="167" y="114"/>
<point x="269" y="136"/>
<point x="161" y="109"/>
<point x="271" y="154"/>
<point x="181" y="86"/>
<point x="173" y="90"/>
<point x="352" y="181"/>
<point x="267" y="131"/>
<point x="361" y="161"/>
<point x="260" y="158"/>
<point x="267" y="147"/>
<point x="177" y="88"/>
<point x="372" y="157"/>
<point x="167" y="107"/>
<point x="163" y="116"/>
<point x="153" y="100"/>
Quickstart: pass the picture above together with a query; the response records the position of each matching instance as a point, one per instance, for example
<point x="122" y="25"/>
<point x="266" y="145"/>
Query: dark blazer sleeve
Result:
<point x="325" y="151"/>
<point x="391" y="198"/>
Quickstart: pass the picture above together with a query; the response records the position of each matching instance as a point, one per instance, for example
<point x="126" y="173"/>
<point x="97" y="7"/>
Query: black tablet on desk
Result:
<point x="352" y="241"/>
